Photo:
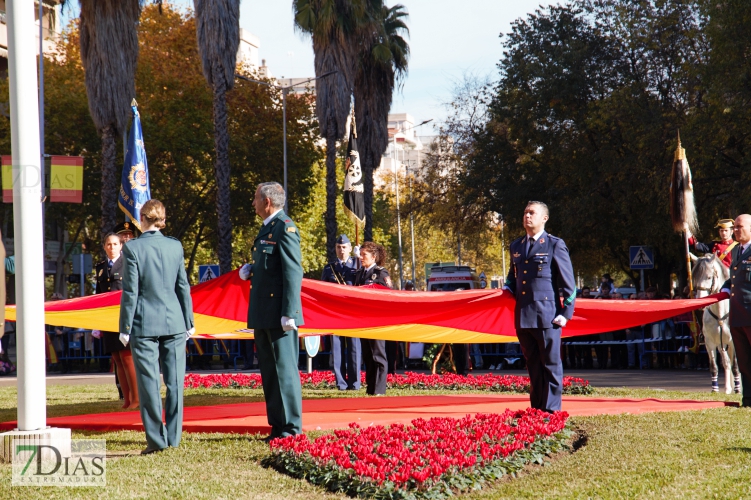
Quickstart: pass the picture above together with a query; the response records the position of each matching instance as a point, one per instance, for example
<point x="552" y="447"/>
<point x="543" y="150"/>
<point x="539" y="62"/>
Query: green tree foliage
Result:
<point x="176" y="113"/>
<point x="585" y="114"/>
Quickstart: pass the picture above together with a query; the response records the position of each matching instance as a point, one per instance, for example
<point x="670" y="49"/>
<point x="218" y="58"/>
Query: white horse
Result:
<point x="708" y="276"/>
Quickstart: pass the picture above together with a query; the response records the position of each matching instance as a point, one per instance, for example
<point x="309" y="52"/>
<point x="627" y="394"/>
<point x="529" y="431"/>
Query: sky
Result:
<point x="448" y="39"/>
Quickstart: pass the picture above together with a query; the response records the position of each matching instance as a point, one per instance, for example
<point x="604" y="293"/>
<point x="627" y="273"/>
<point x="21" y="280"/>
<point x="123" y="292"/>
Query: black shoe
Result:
<point x="268" y="439"/>
<point x="149" y="451"/>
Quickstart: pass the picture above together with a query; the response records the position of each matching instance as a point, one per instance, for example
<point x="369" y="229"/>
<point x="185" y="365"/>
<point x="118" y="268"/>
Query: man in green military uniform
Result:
<point x="275" y="309"/>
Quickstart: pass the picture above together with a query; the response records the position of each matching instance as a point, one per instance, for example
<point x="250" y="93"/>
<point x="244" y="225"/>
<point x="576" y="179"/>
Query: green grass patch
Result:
<point x="693" y="454"/>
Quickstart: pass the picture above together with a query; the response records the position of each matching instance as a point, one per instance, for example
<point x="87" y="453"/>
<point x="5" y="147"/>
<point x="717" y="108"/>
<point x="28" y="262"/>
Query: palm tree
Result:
<point x="332" y="25"/>
<point x="381" y="65"/>
<point x="109" y="50"/>
<point x="218" y="33"/>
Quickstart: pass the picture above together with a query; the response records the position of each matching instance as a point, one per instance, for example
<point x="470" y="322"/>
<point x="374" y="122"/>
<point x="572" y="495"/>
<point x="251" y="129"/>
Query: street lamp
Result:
<point x="284" y="90"/>
<point x="398" y="213"/>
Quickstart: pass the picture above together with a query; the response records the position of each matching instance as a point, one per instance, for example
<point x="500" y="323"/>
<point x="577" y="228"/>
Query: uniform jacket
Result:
<point x="336" y="272"/>
<point x="538" y="279"/>
<point x="740" y="287"/>
<point x="377" y="275"/>
<point x="276" y="277"/>
<point x="716" y="247"/>
<point x="109" y="281"/>
<point x="156" y="295"/>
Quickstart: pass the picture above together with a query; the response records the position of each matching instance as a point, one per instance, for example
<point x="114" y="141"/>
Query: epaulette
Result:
<point x="100" y="263"/>
<point x="518" y="239"/>
<point x="173" y="238"/>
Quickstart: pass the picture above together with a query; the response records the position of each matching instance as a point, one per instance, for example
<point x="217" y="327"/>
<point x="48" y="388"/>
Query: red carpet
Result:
<point x="318" y="414"/>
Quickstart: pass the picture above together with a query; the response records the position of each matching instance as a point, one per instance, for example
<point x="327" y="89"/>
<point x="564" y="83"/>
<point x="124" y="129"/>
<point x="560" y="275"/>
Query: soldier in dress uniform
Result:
<point x="739" y="289"/>
<point x="372" y="271"/>
<point x="275" y="309"/>
<point x="156" y="318"/>
<point x="109" y="278"/>
<point x="345" y="350"/>
<point x="126" y="230"/>
<point x="541" y="270"/>
<point x="723" y="247"/>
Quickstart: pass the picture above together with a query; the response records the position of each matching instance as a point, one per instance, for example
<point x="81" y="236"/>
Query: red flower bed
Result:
<point x="409" y="380"/>
<point x="430" y="458"/>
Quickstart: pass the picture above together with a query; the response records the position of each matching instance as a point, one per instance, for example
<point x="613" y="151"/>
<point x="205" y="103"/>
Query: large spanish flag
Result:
<point x="474" y="316"/>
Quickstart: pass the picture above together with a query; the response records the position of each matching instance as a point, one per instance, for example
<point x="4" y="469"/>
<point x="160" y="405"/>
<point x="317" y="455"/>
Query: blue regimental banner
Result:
<point x="134" y="187"/>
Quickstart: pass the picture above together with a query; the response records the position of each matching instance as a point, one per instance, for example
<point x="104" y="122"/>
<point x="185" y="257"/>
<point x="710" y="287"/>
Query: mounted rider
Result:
<point x="721" y="248"/>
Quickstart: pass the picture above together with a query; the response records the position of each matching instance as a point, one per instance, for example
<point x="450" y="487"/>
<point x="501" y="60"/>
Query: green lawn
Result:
<point x="696" y="454"/>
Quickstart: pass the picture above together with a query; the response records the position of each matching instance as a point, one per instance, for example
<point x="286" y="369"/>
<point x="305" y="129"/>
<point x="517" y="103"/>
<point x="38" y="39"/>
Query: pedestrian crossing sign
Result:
<point x="641" y="257"/>
<point x="207" y="272"/>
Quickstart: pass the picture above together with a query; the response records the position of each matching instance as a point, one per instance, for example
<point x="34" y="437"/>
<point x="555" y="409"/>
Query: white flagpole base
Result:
<point x="51" y="436"/>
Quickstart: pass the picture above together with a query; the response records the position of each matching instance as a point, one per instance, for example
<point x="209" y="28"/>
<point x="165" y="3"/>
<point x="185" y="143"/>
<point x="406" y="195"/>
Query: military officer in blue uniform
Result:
<point x="739" y="288"/>
<point x="346" y="350"/>
<point x="275" y="309"/>
<point x="542" y="280"/>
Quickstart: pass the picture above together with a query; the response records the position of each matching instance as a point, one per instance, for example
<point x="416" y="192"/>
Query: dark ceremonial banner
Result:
<point x="354" y="192"/>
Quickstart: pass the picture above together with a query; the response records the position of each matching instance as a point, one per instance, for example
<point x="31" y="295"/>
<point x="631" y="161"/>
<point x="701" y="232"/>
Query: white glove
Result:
<point x="245" y="271"/>
<point x="688" y="234"/>
<point x="124" y="338"/>
<point x="288" y="324"/>
<point x="726" y="290"/>
<point x="356" y="251"/>
<point x="560" y="321"/>
<point x="190" y="332"/>
<point x="97" y="334"/>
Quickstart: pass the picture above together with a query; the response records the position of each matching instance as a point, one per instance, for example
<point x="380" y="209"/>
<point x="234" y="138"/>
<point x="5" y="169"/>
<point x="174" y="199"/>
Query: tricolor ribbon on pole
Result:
<point x="683" y="217"/>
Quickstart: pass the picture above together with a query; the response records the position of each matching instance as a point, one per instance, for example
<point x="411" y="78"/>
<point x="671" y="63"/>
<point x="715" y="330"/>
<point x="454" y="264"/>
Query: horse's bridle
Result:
<point x="711" y="286"/>
<point x="709" y="290"/>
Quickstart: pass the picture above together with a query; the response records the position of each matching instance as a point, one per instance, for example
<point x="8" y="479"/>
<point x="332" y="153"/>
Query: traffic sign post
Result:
<point x="641" y="258"/>
<point x="207" y="272"/>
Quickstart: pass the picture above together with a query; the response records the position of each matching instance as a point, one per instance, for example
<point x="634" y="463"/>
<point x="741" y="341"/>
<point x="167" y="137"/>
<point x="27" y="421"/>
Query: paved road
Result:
<point x="682" y="380"/>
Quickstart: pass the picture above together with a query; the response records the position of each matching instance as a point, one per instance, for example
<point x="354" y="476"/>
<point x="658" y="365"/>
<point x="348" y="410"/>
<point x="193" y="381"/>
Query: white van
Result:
<point x="452" y="278"/>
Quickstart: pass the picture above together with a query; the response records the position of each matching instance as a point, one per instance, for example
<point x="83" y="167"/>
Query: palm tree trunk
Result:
<point x="332" y="192"/>
<point x="110" y="180"/>
<point x="222" y="175"/>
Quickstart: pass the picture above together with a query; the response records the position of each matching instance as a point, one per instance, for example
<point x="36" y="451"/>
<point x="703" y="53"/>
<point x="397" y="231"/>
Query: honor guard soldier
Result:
<point x="126" y="230"/>
<point x="722" y="248"/>
<point x="540" y="272"/>
<point x="343" y="269"/>
<point x="345" y="350"/>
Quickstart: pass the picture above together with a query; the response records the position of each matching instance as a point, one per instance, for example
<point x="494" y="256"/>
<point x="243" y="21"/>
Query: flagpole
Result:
<point x="27" y="216"/>
<point x="284" y="132"/>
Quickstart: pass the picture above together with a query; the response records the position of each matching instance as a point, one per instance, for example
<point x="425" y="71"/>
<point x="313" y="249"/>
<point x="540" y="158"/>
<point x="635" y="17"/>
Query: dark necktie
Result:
<point x="109" y="267"/>
<point x="529" y="248"/>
